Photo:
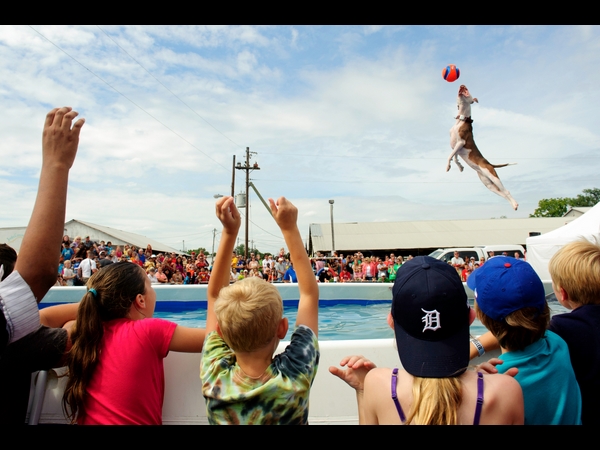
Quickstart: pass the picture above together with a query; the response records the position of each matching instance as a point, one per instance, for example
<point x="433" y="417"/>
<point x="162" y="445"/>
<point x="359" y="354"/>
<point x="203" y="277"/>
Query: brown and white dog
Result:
<point x="462" y="143"/>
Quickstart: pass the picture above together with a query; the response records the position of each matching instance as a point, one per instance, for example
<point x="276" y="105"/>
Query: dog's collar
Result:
<point x="464" y="118"/>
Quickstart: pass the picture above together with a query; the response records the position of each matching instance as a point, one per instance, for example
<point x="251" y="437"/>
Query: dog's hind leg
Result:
<point x="491" y="182"/>
<point x="459" y="165"/>
<point x="459" y="144"/>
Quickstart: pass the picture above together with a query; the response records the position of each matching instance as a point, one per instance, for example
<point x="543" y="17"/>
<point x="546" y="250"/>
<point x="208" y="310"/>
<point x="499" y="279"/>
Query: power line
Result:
<point x="175" y="95"/>
<point x="354" y="181"/>
<point x="131" y="101"/>
<point x="279" y="237"/>
<point x="185" y="235"/>
<point x="400" y="158"/>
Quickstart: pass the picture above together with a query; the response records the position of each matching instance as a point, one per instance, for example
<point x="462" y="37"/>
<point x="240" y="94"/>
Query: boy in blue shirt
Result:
<point x="510" y="302"/>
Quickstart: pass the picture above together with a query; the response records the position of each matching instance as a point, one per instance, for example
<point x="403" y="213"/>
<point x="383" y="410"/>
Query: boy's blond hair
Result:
<point x="576" y="269"/>
<point x="248" y="313"/>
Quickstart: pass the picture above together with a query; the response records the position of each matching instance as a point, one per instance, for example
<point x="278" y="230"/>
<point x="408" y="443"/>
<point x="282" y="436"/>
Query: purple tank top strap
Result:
<point x="479" y="398"/>
<point x="395" y="397"/>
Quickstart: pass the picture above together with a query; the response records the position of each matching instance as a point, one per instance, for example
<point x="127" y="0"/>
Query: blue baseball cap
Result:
<point x="431" y="319"/>
<point x="505" y="284"/>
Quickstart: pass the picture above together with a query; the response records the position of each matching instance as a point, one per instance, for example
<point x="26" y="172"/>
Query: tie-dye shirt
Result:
<point x="279" y="396"/>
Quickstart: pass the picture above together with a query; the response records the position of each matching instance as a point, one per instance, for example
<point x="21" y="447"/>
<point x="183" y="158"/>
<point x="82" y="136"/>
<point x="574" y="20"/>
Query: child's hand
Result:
<point x="357" y="368"/>
<point x="490" y="367"/>
<point x="228" y="214"/>
<point x="285" y="213"/>
<point x="59" y="140"/>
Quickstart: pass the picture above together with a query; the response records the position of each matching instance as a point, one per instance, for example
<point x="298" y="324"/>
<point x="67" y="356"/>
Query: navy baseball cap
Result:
<point x="431" y="319"/>
<point x="505" y="284"/>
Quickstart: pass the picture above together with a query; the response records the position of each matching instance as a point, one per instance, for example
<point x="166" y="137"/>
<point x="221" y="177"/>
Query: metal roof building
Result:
<point x="116" y="237"/>
<point x="422" y="237"/>
<point x="13" y="236"/>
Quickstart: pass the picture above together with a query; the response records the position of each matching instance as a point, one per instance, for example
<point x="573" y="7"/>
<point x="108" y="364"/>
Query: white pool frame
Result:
<point x="331" y="400"/>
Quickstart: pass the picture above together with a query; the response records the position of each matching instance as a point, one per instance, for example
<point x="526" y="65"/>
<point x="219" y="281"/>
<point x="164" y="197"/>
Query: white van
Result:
<point x="498" y="250"/>
<point x="477" y="252"/>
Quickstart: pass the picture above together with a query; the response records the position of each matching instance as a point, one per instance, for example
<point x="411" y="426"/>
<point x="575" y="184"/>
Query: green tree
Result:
<point x="557" y="207"/>
<point x="590" y="197"/>
<point x="240" y="250"/>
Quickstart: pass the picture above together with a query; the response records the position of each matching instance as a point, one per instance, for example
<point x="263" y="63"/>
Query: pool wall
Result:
<point x="331" y="400"/>
<point x="288" y="291"/>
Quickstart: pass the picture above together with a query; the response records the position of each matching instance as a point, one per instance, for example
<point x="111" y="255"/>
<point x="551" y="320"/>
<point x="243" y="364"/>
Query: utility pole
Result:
<point x="213" y="247"/>
<point x="233" y="178"/>
<point x="332" y="235"/>
<point x="247" y="168"/>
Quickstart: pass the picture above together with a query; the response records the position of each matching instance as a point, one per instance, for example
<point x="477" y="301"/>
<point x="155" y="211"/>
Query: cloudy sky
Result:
<point x="356" y="114"/>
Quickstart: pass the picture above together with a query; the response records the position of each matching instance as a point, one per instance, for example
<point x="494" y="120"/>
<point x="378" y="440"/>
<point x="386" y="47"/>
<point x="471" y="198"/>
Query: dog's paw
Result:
<point x="461" y="168"/>
<point x="447" y="167"/>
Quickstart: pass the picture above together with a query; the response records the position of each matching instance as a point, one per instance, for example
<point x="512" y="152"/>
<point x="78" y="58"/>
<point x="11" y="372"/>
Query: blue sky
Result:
<point x="359" y="114"/>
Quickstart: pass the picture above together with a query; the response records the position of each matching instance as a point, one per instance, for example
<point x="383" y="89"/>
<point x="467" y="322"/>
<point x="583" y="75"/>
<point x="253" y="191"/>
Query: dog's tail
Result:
<point x="497" y="166"/>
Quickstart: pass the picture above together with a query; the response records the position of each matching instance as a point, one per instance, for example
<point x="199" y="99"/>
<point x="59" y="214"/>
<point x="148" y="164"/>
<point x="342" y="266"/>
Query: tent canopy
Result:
<point x="540" y="249"/>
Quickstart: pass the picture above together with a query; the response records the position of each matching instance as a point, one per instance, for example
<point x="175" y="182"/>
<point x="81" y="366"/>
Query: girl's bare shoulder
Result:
<point x="503" y="399"/>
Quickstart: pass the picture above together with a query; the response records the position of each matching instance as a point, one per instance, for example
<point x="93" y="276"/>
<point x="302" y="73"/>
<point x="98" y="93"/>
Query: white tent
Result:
<point x="540" y="249"/>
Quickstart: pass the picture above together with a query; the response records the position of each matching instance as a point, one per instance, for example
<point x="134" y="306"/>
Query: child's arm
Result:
<point x="230" y="218"/>
<point x="187" y="340"/>
<point x="38" y="255"/>
<point x="286" y="216"/>
<point x="488" y="341"/>
<point x="354" y="375"/>
<point x="56" y="316"/>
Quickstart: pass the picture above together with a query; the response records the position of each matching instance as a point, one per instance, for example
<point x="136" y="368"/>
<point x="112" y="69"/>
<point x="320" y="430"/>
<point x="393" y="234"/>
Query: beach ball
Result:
<point x="451" y="73"/>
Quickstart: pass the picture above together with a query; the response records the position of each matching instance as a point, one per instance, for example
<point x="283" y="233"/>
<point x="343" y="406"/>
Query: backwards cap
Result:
<point x="505" y="284"/>
<point x="431" y="319"/>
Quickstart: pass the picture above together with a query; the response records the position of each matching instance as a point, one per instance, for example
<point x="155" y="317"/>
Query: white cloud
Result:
<point x="359" y="114"/>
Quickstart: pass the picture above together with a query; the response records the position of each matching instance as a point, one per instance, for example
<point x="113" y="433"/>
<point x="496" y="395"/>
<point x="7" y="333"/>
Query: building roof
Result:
<point x="576" y="211"/>
<point x="429" y="233"/>
<point x="117" y="237"/>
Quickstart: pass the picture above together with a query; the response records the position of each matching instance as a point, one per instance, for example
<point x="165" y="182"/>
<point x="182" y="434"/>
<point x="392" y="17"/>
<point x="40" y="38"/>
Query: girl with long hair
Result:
<point x="115" y="365"/>
<point x="431" y="317"/>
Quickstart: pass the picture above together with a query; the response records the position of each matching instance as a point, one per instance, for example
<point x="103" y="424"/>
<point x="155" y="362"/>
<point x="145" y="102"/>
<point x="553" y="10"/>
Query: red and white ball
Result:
<point x="451" y="73"/>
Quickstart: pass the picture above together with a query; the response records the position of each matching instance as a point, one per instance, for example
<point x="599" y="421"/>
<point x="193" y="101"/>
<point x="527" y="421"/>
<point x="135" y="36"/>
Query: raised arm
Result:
<point x="286" y="216"/>
<point x="39" y="253"/>
<point x="230" y="218"/>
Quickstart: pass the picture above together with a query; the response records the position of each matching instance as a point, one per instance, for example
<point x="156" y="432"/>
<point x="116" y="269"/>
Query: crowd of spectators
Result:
<point x="357" y="267"/>
<point x="467" y="267"/>
<point x="80" y="258"/>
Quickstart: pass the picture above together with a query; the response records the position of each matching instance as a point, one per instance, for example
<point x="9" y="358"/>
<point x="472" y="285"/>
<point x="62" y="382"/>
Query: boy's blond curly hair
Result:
<point x="248" y="313"/>
<point x="576" y="269"/>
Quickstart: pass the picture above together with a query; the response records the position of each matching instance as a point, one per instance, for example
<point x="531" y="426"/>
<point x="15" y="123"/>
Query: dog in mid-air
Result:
<point x="462" y="143"/>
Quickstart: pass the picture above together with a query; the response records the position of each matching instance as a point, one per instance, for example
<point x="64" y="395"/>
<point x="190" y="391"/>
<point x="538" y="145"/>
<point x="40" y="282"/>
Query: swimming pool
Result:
<point x="347" y="311"/>
<point x="337" y="320"/>
<point x="331" y="401"/>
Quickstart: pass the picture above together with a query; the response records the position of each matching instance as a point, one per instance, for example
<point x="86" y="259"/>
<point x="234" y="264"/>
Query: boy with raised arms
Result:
<point x="242" y="382"/>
